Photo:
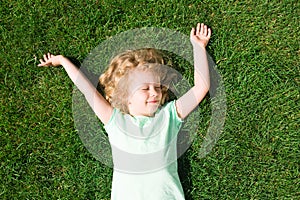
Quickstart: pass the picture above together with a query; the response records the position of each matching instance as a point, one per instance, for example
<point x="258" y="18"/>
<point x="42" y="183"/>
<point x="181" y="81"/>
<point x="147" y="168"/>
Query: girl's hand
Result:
<point x="51" y="60"/>
<point x="201" y="35"/>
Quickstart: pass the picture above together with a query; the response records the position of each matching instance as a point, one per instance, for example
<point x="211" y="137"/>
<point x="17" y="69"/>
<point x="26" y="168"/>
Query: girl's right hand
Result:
<point x="51" y="60"/>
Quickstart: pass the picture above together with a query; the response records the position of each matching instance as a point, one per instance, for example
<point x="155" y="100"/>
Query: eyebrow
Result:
<point x="147" y="84"/>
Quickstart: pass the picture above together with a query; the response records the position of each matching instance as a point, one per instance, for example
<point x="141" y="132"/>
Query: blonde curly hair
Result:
<point x="120" y="66"/>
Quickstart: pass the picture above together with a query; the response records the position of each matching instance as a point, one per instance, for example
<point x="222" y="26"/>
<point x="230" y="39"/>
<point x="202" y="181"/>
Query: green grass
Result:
<point x="255" y="44"/>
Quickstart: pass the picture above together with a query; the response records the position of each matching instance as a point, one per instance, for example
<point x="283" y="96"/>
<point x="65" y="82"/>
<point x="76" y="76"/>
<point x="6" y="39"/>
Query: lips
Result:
<point x="153" y="101"/>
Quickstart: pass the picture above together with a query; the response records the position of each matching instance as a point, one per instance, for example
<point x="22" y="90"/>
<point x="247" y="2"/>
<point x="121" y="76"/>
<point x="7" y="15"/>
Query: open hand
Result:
<point x="201" y="35"/>
<point x="50" y="60"/>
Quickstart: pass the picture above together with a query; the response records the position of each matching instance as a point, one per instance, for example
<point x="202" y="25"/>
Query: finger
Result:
<point x="42" y="63"/>
<point x="202" y="29"/>
<point x="205" y="30"/>
<point x="45" y="57"/>
<point x="208" y="32"/>
<point x="193" y="31"/>
<point x="45" y="64"/>
<point x="49" y="56"/>
<point x="198" y="29"/>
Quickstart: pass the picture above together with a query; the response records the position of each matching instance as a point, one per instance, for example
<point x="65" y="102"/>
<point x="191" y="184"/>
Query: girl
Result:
<point x="141" y="127"/>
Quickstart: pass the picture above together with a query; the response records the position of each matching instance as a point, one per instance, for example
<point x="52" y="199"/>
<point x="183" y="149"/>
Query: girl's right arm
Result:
<point x="100" y="106"/>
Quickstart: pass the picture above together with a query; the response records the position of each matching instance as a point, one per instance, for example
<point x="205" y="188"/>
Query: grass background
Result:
<point x="254" y="43"/>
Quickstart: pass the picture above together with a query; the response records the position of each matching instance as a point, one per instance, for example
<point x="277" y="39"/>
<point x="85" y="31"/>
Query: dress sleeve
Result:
<point x="111" y="120"/>
<point x="174" y="118"/>
<point x="174" y="112"/>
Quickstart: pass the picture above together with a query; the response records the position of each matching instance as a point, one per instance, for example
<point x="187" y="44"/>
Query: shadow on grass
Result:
<point x="184" y="171"/>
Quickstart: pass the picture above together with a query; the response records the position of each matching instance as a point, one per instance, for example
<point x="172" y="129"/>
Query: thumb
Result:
<point x="43" y="64"/>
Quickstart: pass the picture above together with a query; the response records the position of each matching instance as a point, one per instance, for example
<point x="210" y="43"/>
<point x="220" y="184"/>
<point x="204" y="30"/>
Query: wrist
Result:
<point x="62" y="60"/>
<point x="199" y="47"/>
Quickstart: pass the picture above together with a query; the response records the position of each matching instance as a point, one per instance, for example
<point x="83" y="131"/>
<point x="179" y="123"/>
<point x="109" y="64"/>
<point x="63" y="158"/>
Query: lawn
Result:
<point x="255" y="45"/>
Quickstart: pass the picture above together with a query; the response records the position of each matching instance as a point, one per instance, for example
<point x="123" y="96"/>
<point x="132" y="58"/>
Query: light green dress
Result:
<point x="144" y="155"/>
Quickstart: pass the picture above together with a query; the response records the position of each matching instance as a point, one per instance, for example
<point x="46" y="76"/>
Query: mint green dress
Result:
<point x="144" y="155"/>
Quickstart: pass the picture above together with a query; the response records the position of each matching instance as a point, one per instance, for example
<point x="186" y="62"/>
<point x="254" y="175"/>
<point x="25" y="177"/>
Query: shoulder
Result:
<point x="170" y="107"/>
<point x="115" y="113"/>
<point x="117" y="119"/>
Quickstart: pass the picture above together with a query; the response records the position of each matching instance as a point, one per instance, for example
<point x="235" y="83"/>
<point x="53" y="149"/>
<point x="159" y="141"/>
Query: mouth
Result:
<point x="153" y="102"/>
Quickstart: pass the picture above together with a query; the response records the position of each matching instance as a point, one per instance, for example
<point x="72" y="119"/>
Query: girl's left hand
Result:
<point x="201" y="35"/>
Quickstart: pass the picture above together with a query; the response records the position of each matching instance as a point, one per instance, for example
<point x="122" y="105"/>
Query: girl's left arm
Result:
<point x="188" y="102"/>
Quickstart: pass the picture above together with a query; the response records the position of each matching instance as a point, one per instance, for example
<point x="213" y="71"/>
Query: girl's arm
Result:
<point x="187" y="103"/>
<point x="97" y="102"/>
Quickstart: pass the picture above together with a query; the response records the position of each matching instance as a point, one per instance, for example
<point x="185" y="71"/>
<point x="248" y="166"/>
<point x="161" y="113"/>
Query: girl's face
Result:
<point x="145" y="94"/>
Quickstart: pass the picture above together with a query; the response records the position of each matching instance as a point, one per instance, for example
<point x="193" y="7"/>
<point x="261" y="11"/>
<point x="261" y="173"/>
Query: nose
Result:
<point x="153" y="92"/>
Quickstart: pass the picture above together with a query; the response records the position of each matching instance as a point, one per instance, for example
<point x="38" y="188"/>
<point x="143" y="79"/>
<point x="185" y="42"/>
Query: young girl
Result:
<point x="141" y="126"/>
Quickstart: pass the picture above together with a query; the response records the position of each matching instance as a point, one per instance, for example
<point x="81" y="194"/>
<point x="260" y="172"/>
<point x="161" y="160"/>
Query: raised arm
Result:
<point x="187" y="103"/>
<point x="97" y="102"/>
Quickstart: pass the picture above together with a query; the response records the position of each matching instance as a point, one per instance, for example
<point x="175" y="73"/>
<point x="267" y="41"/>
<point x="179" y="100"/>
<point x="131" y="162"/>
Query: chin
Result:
<point x="151" y="112"/>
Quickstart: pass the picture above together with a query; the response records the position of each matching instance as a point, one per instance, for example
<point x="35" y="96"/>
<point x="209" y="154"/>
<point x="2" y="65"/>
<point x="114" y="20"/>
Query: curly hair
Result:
<point x="119" y="66"/>
<point x="126" y="85"/>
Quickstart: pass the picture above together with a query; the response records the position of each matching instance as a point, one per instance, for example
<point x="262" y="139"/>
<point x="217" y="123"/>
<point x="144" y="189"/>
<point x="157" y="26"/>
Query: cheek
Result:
<point x="141" y="96"/>
<point x="136" y="97"/>
<point x="160" y="94"/>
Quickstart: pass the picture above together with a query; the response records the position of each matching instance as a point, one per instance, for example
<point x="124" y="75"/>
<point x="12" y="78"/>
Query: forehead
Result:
<point x="140" y="77"/>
